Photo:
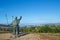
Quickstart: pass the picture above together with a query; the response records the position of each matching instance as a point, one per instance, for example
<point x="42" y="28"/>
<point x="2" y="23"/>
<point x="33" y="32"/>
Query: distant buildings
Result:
<point x="5" y="27"/>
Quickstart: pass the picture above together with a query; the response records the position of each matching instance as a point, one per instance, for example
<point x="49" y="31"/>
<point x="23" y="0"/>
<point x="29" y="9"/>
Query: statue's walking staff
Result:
<point x="6" y="18"/>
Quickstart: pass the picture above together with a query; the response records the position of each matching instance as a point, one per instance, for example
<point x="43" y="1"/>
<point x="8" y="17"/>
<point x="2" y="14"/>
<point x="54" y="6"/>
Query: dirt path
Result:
<point x="35" y="36"/>
<point x="29" y="37"/>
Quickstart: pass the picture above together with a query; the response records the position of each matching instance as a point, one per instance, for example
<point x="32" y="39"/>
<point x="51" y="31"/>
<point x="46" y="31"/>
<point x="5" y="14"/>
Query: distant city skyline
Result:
<point x="32" y="11"/>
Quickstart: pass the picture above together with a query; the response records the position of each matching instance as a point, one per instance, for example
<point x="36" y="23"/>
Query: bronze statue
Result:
<point x="15" y="24"/>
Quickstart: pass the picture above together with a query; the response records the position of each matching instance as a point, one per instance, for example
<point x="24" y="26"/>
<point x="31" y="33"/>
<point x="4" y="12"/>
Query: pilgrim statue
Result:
<point x="15" y="24"/>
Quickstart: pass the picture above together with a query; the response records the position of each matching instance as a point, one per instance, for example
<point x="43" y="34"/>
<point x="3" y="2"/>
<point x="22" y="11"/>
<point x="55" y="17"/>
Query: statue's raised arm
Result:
<point x="16" y="21"/>
<point x="20" y="18"/>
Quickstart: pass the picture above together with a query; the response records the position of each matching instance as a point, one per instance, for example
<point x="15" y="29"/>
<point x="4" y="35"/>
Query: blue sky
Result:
<point x="32" y="11"/>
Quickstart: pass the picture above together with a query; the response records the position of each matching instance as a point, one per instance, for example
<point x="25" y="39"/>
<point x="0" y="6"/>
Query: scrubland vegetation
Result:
<point x="38" y="29"/>
<point x="41" y="29"/>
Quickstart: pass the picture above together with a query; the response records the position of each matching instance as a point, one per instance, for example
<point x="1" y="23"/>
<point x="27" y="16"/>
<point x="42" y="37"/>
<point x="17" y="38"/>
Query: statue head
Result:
<point x="15" y="17"/>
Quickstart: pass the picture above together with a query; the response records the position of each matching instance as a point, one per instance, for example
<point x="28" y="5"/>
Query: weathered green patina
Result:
<point x="15" y="24"/>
